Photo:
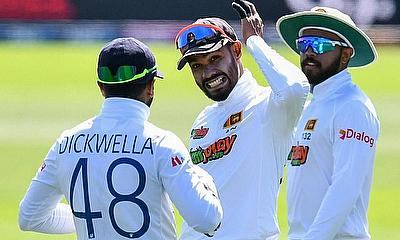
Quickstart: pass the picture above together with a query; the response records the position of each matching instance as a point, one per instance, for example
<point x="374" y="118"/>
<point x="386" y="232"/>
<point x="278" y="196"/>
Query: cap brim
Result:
<point x="201" y="50"/>
<point x="289" y="26"/>
<point x="159" y="74"/>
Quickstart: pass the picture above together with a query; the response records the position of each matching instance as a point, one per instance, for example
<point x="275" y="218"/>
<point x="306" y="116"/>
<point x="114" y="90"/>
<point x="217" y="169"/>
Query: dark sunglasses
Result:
<point x="124" y="74"/>
<point x="198" y="34"/>
<point x="319" y="45"/>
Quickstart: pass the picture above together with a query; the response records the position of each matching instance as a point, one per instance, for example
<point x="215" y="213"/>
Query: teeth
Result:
<point x="215" y="82"/>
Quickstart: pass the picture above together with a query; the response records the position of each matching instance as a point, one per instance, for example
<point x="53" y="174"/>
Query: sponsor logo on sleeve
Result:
<point x="220" y="148"/>
<point x="175" y="161"/>
<point x="298" y="155"/>
<point x="43" y="166"/>
<point x="199" y="133"/>
<point x="353" y="134"/>
<point x="310" y="125"/>
<point x="233" y="119"/>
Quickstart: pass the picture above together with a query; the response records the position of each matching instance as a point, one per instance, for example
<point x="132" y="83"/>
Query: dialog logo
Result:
<point x="360" y="136"/>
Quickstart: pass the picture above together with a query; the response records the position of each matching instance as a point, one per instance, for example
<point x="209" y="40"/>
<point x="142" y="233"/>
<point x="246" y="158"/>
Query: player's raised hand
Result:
<point x="251" y="21"/>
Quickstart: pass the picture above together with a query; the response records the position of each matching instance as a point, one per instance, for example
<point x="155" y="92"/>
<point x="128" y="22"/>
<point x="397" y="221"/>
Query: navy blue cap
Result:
<point x="128" y="52"/>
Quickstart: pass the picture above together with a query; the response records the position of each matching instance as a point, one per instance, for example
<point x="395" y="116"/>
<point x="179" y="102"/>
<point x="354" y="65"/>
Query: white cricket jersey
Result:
<point x="118" y="172"/>
<point x="330" y="165"/>
<point x="243" y="142"/>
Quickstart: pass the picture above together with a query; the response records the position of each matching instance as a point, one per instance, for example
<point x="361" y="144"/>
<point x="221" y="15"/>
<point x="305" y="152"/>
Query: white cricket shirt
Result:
<point x="243" y="142"/>
<point x="118" y="172"/>
<point x="330" y="165"/>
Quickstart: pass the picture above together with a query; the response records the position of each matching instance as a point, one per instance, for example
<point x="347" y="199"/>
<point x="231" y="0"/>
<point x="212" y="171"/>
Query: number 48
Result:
<point x="88" y="215"/>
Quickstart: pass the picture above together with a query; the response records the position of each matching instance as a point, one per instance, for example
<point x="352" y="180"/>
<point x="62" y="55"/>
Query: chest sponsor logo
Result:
<point x="360" y="136"/>
<point x="175" y="161"/>
<point x="310" y="125"/>
<point x="298" y="155"/>
<point x="220" y="148"/>
<point x="199" y="133"/>
<point x="233" y="119"/>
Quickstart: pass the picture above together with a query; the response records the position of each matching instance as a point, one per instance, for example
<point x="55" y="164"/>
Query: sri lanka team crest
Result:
<point x="199" y="133"/>
<point x="298" y="155"/>
<point x="310" y="125"/>
<point x="217" y="150"/>
<point x="233" y="119"/>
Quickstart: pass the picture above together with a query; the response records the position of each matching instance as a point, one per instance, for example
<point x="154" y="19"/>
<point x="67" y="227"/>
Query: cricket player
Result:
<point x="243" y="138"/>
<point x="118" y="171"/>
<point x="331" y="162"/>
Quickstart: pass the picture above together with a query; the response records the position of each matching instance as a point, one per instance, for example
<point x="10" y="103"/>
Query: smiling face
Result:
<point x="217" y="73"/>
<point x="319" y="67"/>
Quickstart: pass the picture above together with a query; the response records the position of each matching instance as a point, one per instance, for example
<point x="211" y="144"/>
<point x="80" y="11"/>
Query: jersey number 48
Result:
<point x="88" y="215"/>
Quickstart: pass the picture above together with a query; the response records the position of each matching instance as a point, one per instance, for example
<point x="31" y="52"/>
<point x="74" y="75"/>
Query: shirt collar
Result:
<point x="125" y="107"/>
<point x="331" y="85"/>
<point x="243" y="89"/>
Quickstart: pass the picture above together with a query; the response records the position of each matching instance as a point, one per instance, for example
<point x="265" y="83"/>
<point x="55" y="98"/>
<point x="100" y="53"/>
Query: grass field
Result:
<point x="46" y="88"/>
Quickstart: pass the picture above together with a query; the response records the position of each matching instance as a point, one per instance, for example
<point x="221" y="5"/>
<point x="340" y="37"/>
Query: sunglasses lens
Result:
<point x="104" y="74"/>
<point x="194" y="34"/>
<point x="318" y="45"/>
<point x="123" y="73"/>
<point x="126" y="72"/>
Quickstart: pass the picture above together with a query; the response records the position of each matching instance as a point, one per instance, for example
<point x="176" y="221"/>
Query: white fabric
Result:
<point x="249" y="156"/>
<point x="133" y="169"/>
<point x="328" y="194"/>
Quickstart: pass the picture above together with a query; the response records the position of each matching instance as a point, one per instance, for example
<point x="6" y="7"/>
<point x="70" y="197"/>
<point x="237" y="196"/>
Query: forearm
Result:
<point x="41" y="211"/>
<point x="279" y="72"/>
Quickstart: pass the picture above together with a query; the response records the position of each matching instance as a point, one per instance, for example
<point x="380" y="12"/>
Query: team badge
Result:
<point x="233" y="119"/>
<point x="199" y="133"/>
<point x="310" y="125"/>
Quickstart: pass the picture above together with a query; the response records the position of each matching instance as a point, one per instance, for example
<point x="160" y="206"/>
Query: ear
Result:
<point x="346" y="55"/>
<point x="150" y="88"/>
<point x="101" y="86"/>
<point x="237" y="50"/>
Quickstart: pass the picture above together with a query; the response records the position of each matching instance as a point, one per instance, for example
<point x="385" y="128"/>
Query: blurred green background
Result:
<point x="49" y="87"/>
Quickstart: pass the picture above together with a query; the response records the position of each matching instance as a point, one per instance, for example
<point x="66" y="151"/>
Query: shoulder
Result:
<point x="77" y="129"/>
<point x="352" y="100"/>
<point x="163" y="138"/>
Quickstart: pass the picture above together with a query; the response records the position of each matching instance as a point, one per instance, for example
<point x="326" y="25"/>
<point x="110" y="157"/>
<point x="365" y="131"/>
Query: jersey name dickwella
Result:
<point x="119" y="173"/>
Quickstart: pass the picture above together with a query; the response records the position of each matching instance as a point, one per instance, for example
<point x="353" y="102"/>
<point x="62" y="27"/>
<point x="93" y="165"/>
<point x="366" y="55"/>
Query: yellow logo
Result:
<point x="310" y="125"/>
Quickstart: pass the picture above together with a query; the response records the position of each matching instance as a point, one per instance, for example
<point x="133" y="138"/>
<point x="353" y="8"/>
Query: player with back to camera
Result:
<point x="331" y="163"/>
<point x="243" y="138"/>
<point x="118" y="171"/>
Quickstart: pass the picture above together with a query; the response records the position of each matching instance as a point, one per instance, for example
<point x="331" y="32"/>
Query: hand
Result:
<point x="251" y="21"/>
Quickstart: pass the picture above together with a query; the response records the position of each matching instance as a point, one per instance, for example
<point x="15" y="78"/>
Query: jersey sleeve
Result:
<point x="190" y="188"/>
<point x="41" y="210"/>
<point x="288" y="83"/>
<point x="354" y="135"/>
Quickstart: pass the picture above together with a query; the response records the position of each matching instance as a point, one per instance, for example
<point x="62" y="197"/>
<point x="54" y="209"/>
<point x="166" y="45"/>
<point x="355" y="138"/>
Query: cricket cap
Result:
<point x="209" y="46"/>
<point x="127" y="52"/>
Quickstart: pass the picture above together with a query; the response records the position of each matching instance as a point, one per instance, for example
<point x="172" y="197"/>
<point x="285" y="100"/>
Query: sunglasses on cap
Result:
<point x="319" y="45"/>
<point x="124" y="74"/>
<point x="198" y="34"/>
